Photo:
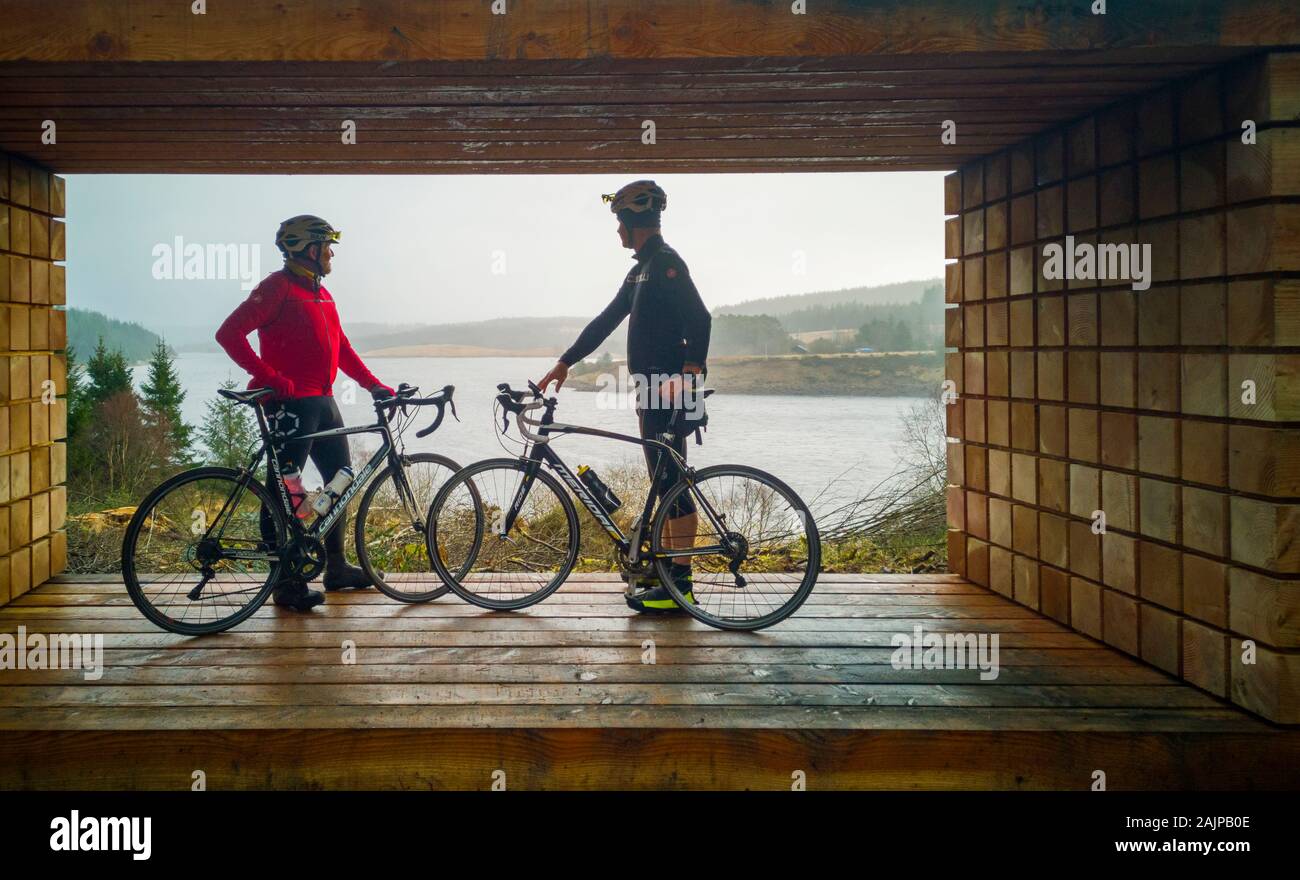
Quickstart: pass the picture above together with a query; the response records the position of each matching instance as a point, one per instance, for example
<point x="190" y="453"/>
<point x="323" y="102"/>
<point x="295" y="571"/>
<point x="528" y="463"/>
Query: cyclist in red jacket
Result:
<point x="302" y="348"/>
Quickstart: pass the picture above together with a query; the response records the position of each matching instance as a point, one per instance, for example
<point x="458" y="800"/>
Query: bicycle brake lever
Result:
<point x="452" y="404"/>
<point x="505" y="421"/>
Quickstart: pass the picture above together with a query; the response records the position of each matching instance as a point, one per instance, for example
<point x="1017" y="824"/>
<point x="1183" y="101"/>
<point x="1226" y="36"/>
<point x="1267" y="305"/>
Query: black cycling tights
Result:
<point x="306" y="415"/>
<point x="653" y="423"/>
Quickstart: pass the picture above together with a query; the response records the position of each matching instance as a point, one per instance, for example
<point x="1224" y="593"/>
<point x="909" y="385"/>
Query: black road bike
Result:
<point x="205" y="548"/>
<point x="755" y="549"/>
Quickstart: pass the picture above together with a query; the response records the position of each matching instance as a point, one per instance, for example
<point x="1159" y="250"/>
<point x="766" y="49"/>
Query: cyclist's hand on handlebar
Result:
<point x="558" y="374"/>
<point x="382" y="392"/>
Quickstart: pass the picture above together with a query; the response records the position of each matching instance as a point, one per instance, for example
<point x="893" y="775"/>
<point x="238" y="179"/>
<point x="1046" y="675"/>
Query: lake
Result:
<point x="835" y="447"/>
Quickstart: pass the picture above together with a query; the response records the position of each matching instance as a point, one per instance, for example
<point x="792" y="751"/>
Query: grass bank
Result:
<point x="884" y="374"/>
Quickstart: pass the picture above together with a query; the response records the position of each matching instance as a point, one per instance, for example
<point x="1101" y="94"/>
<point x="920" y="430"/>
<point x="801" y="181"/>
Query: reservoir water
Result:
<point x="833" y="449"/>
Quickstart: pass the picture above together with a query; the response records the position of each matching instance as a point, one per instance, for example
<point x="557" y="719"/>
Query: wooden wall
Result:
<point x="1076" y="396"/>
<point x="33" y="421"/>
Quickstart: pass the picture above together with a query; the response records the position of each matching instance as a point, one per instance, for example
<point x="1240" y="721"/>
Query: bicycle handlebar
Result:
<point x="405" y="397"/>
<point x="512" y="401"/>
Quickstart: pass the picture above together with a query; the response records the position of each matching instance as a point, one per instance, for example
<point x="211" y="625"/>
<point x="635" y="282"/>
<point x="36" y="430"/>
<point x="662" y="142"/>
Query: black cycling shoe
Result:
<point x="657" y="600"/>
<point x="342" y="576"/>
<point x="294" y="595"/>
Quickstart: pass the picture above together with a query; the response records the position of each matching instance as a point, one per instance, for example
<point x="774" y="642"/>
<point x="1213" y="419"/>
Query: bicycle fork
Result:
<point x="511" y="513"/>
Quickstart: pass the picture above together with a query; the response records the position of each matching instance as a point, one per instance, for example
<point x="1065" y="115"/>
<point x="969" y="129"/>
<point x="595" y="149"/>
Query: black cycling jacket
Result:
<point x="669" y="328"/>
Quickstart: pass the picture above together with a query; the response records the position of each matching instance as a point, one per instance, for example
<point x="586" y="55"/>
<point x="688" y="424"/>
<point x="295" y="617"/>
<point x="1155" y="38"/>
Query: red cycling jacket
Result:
<point x="299" y="336"/>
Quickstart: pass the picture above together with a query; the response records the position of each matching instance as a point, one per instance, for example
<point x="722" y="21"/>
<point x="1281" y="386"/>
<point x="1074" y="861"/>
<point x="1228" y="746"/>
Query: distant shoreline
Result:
<point x="878" y="374"/>
<point x="437" y="350"/>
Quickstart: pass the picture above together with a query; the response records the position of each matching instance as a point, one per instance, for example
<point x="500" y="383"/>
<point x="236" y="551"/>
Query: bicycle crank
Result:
<point x="304" y="556"/>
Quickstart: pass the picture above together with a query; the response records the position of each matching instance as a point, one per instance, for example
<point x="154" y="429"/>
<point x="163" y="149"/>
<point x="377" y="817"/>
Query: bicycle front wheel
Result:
<point x="390" y="528"/>
<point x="199" y="555"/>
<point x="754" y="549"/>
<point x="526" y="544"/>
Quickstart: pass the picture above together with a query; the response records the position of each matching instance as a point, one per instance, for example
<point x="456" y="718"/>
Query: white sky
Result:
<point x="422" y="249"/>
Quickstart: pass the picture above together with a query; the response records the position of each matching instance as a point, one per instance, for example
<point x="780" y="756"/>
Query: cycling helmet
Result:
<point x="638" y="203"/>
<point x="296" y="233"/>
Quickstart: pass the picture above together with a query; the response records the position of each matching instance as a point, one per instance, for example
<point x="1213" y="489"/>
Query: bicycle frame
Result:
<point x="629" y="547"/>
<point x="275" y="481"/>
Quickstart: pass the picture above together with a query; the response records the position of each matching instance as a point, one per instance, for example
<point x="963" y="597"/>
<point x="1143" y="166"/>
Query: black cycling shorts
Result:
<point x="653" y="423"/>
<point x="306" y="415"/>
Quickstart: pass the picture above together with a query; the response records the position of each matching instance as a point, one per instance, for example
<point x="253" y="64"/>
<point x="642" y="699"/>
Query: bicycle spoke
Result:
<point x="758" y="539"/>
<point x="391" y="532"/>
<point x="525" y="548"/>
<point x="176" y="548"/>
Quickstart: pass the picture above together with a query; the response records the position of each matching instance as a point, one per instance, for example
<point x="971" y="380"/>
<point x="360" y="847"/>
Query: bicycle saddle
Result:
<point x="253" y="395"/>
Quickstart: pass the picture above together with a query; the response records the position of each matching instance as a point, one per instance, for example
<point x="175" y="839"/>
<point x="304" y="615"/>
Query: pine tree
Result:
<point x="161" y="397"/>
<point x="228" y="431"/>
<point x="108" y="373"/>
<point x="81" y="411"/>
<point x="79" y="405"/>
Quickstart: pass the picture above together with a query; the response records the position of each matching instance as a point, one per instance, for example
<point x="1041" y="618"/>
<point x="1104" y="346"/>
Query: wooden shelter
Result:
<point x="1172" y="408"/>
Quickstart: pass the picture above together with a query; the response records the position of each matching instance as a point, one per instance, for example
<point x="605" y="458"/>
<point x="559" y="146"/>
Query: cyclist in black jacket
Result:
<point x="667" y="341"/>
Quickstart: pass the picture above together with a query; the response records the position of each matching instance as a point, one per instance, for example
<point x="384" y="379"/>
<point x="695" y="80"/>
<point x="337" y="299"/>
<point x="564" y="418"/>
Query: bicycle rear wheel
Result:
<point x="177" y="551"/>
<point x="512" y="564"/>
<point x="390" y="535"/>
<point x="755" y="553"/>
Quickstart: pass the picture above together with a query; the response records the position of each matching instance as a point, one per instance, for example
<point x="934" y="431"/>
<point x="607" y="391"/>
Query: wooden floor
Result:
<point x="444" y="695"/>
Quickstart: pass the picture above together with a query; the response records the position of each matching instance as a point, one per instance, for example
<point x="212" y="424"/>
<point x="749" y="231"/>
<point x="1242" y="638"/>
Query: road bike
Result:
<point x="205" y="548"/>
<point x="755" y="551"/>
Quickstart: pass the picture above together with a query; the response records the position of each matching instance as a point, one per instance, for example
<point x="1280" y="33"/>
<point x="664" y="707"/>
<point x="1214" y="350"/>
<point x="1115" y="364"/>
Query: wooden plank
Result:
<point x="559" y="672"/>
<point x="82" y="30"/>
<point x="322" y="94"/>
<point x="609" y="577"/>
<point x="657" y="165"/>
<point x="242" y="639"/>
<point x="657" y="694"/>
<point x="824" y="603"/>
<point x="709" y="759"/>
<point x="322" y="622"/>
<point x="910" y="718"/>
<point x="181" y="655"/>
<point x="826" y="586"/>
<point x="627" y="148"/>
<point x="1190" y="58"/>
<point x="510" y="81"/>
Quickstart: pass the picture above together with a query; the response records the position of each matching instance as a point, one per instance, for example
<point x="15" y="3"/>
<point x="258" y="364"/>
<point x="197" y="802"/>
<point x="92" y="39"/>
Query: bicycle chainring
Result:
<point x="304" y="557"/>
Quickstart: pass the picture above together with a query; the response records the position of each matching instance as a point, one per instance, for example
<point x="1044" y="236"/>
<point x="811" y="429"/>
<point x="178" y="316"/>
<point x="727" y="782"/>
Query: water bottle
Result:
<point x="333" y="490"/>
<point x="297" y="492"/>
<point x="603" y="494"/>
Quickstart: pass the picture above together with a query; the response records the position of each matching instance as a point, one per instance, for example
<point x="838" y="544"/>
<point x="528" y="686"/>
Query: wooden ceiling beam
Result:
<point x="565" y="85"/>
<point x="666" y="165"/>
<point x="466" y="30"/>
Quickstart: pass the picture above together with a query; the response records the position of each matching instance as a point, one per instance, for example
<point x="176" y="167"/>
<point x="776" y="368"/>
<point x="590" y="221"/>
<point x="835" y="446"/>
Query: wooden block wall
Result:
<point x="1076" y="396"/>
<point x="33" y="374"/>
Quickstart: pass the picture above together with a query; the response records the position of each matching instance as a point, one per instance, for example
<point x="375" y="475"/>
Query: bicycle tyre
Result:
<point x="363" y="514"/>
<point x="813" y="564"/>
<point x="135" y="589"/>
<point x="458" y="583"/>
